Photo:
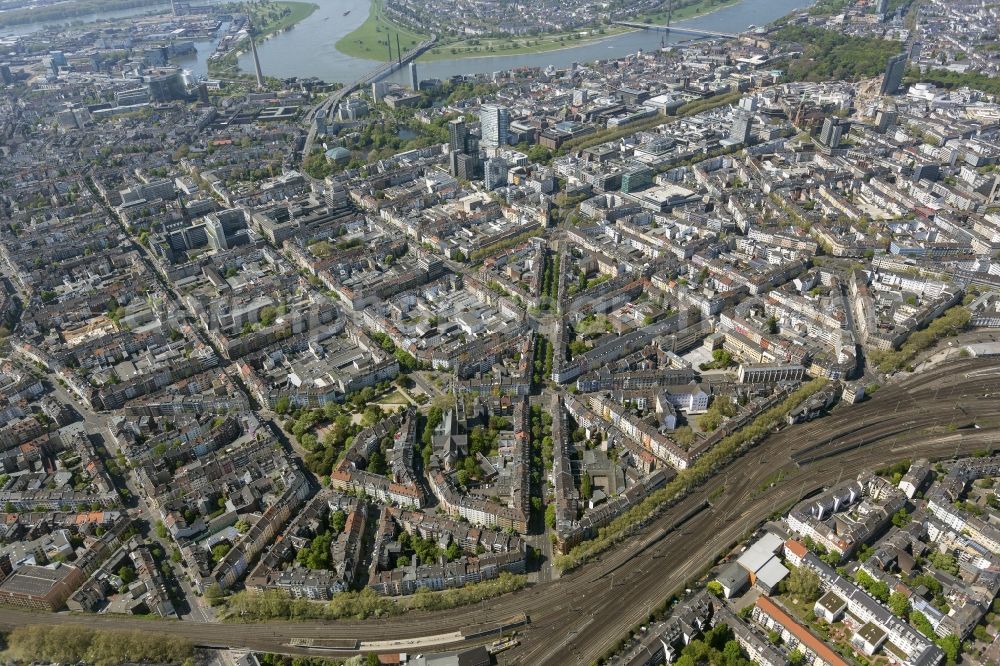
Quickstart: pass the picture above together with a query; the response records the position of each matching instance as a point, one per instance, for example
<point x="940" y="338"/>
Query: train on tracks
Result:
<point x="476" y="631"/>
<point x="332" y="644"/>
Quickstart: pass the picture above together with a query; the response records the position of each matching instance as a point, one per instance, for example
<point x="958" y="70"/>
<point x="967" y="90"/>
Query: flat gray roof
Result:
<point x="34" y="580"/>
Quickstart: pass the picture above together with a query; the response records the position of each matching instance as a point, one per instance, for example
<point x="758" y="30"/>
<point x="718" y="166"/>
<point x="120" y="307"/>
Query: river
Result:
<point x="734" y="18"/>
<point x="308" y="49"/>
<point x="198" y="61"/>
<point x="27" y="28"/>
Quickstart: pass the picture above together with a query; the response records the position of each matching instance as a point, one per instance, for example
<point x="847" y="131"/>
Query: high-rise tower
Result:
<point x="495" y="121"/>
<point x="253" y="50"/>
<point x="895" y="68"/>
<point x="833" y="131"/>
<point x="457" y="134"/>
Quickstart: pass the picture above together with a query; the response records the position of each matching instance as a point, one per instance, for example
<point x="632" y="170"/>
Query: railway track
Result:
<point x="576" y="618"/>
<point x="839" y="446"/>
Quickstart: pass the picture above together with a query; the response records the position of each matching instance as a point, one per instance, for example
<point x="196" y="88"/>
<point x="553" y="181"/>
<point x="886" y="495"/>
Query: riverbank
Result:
<point x="310" y="49"/>
<point x="76" y="10"/>
<point x="488" y="48"/>
<point x="690" y="11"/>
<point x="369" y="40"/>
<point x="299" y="11"/>
<point x="269" y="19"/>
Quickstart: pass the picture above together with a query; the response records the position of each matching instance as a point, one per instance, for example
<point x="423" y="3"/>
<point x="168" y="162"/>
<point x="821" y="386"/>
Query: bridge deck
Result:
<point x="671" y="28"/>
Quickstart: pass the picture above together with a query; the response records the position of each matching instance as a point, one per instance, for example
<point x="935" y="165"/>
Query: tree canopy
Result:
<point x="75" y="643"/>
<point x="829" y="54"/>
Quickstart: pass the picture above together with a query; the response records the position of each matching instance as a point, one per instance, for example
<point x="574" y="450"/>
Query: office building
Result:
<point x="926" y="171"/>
<point x="742" y="126"/>
<point x="155" y="56"/>
<point x="637" y="179"/>
<point x="74" y="116"/>
<point x="466" y="166"/>
<point x="833" y="131"/>
<point x="894" y="70"/>
<point x="471" y="144"/>
<point x="414" y="80"/>
<point x="495" y="173"/>
<point x="353" y="108"/>
<point x="58" y="59"/>
<point x="165" y="85"/>
<point x="885" y="118"/>
<point x="132" y="97"/>
<point x="457" y="134"/>
<point x="494" y="120"/>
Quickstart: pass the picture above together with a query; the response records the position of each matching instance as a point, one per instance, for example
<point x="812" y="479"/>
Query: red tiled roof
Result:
<point x="795" y="548"/>
<point x="804" y="636"/>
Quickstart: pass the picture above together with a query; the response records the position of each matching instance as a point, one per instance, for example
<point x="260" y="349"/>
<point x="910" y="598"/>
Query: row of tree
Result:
<point x="949" y="324"/>
<point x="76" y="644"/>
<point x="276" y="604"/>
<point x="687" y="479"/>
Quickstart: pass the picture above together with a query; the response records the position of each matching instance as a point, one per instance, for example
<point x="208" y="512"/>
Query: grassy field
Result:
<point x="473" y="48"/>
<point x="270" y="24"/>
<point x="395" y="398"/>
<point x="696" y="8"/>
<point x="369" y="39"/>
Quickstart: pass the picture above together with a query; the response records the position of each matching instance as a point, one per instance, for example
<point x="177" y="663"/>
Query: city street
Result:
<point x="196" y="609"/>
<point x="616" y="590"/>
